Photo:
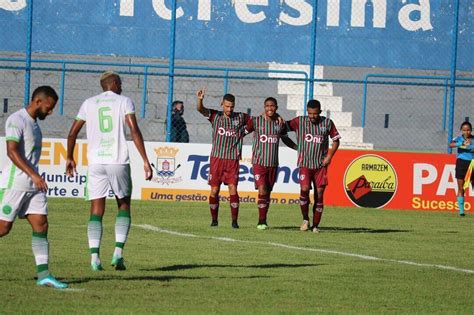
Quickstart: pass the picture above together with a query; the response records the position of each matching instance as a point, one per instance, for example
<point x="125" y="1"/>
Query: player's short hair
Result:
<point x="108" y="77"/>
<point x="466" y="123"/>
<point x="271" y="99"/>
<point x="229" y="98"/>
<point x="314" y="104"/>
<point x="45" y="90"/>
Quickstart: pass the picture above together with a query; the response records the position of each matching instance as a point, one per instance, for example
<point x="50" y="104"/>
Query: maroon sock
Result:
<point x="304" y="204"/>
<point x="214" y="207"/>
<point x="317" y="213"/>
<point x="262" y="207"/>
<point x="234" y="206"/>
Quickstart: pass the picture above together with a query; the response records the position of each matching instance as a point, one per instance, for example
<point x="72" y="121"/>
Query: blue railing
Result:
<point x="145" y="71"/>
<point x="446" y="84"/>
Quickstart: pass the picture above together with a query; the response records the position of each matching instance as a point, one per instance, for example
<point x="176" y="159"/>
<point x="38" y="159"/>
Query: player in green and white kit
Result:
<point x="22" y="189"/>
<point x="106" y="116"/>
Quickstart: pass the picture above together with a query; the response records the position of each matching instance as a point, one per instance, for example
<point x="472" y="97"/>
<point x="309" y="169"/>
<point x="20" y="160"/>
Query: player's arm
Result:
<point x="289" y="143"/>
<point x="13" y="152"/>
<point x="137" y="138"/>
<point x="71" y="144"/>
<point x="334" y="134"/>
<point x="200" y="105"/>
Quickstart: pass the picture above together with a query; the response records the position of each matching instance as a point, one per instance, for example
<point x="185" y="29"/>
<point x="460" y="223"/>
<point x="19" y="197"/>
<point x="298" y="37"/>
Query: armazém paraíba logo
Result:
<point x="370" y="181"/>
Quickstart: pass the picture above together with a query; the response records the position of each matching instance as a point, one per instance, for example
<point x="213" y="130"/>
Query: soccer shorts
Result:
<point x="318" y="177"/>
<point x="223" y="171"/>
<point x="264" y="176"/>
<point x="461" y="169"/>
<point x="104" y="177"/>
<point x="21" y="203"/>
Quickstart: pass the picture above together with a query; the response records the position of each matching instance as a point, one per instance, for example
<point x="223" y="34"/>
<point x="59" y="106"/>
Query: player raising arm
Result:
<point x="225" y="153"/>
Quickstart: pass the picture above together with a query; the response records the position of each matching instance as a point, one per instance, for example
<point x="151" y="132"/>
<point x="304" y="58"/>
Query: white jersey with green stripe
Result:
<point x="23" y="129"/>
<point x="104" y="115"/>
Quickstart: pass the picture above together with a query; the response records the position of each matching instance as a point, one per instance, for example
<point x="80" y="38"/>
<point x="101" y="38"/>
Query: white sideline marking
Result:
<point x="365" y="257"/>
<point x="72" y="290"/>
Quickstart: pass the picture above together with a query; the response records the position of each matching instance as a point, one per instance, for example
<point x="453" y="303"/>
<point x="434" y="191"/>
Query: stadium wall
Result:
<point x="377" y="33"/>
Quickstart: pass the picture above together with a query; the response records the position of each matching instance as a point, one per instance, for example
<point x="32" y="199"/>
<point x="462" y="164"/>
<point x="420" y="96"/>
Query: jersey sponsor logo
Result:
<point x="226" y="132"/>
<point x="166" y="166"/>
<point x="7" y="209"/>
<point x="269" y="139"/>
<point x="257" y="177"/>
<point x="313" y="138"/>
<point x="370" y="181"/>
<point x="302" y="177"/>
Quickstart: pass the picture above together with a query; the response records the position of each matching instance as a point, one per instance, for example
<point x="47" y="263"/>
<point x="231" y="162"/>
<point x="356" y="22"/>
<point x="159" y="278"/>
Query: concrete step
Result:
<point x="293" y="87"/>
<point x="318" y="70"/>
<point x="341" y="119"/>
<point x="332" y="103"/>
<point x="351" y="134"/>
<point x="356" y="146"/>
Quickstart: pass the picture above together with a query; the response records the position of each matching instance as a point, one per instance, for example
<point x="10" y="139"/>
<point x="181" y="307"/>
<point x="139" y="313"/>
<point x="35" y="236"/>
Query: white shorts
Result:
<point x="104" y="177"/>
<point x="21" y="203"/>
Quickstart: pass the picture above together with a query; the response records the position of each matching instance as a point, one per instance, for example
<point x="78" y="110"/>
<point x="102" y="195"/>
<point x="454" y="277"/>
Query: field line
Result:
<point x="325" y="251"/>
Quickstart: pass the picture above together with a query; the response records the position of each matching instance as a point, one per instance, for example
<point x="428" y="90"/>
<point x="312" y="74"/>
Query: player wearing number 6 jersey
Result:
<point x="106" y="116"/>
<point x="314" y="156"/>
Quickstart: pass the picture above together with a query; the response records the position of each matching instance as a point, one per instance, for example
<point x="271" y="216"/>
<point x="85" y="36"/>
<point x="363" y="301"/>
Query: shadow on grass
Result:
<point x="132" y="278"/>
<point x="195" y="266"/>
<point x="336" y="229"/>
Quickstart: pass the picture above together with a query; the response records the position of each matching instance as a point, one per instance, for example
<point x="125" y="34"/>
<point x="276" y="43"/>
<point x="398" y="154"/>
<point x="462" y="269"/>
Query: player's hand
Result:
<point x="148" y="171"/>
<point x="280" y="120"/>
<point x="70" y="167"/>
<point x="326" y="161"/>
<point x="200" y="94"/>
<point x="39" y="183"/>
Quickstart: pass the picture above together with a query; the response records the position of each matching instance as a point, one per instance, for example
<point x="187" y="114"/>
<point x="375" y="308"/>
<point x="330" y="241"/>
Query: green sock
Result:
<point x="94" y="234"/>
<point x="40" y="246"/>
<point x="122" y="226"/>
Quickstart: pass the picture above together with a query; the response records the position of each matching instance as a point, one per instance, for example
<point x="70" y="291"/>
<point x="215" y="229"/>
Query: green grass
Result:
<point x="255" y="273"/>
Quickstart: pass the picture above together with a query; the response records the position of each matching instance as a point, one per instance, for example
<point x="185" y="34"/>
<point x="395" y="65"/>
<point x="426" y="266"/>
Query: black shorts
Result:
<point x="461" y="169"/>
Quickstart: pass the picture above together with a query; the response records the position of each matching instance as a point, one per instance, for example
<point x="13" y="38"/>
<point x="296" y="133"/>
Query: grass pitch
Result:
<point x="363" y="261"/>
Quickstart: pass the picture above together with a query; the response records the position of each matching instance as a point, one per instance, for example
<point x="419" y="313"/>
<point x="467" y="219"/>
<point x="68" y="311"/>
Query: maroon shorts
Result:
<point x="223" y="171"/>
<point x="264" y="176"/>
<point x="318" y="177"/>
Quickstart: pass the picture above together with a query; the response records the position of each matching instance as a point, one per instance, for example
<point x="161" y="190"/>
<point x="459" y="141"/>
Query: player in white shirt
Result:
<point x="22" y="189"/>
<point x="106" y="116"/>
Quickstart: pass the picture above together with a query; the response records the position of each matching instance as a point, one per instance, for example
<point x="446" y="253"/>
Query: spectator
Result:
<point x="179" y="132"/>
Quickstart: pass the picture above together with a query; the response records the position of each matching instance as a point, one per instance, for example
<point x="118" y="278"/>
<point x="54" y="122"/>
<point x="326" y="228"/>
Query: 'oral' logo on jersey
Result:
<point x="228" y="133"/>
<point x="313" y="138"/>
<point x="268" y="139"/>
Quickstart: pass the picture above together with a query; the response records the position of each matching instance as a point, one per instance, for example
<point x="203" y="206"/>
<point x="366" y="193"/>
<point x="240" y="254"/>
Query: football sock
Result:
<point x="304" y="204"/>
<point x="461" y="204"/>
<point x="317" y="213"/>
<point x="40" y="246"/>
<point x="262" y="204"/>
<point x="214" y="207"/>
<point x="234" y="206"/>
<point x="94" y="234"/>
<point x="122" y="227"/>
